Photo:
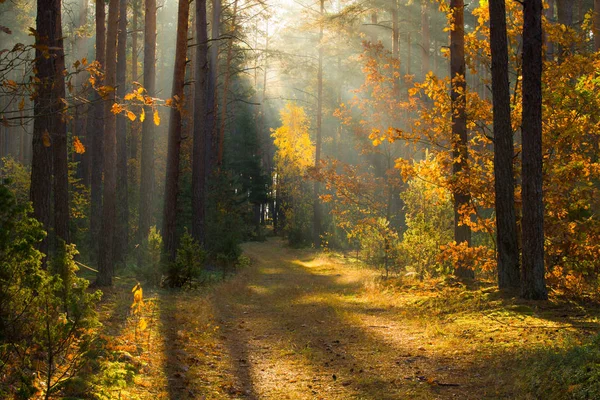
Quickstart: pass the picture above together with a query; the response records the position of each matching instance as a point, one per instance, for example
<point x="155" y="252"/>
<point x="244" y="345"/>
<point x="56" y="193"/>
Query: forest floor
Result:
<point x="303" y="325"/>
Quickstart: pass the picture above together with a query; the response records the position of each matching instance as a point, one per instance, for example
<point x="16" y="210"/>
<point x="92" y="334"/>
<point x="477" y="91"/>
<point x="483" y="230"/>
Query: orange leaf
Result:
<point x="131" y="116"/>
<point x="156" y="118"/>
<point x="78" y="146"/>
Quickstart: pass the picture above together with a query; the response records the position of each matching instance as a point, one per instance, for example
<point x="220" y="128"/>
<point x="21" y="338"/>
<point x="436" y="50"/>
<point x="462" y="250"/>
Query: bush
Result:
<point x="150" y="268"/>
<point x="188" y="264"/>
<point x="46" y="318"/>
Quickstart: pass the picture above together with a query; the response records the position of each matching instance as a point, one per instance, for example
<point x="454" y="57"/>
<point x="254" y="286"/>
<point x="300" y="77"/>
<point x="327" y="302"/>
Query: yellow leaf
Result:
<point x="131" y="116"/>
<point x="116" y="108"/>
<point x="130" y="96"/>
<point x="78" y="147"/>
<point x="156" y="118"/>
<point x="143" y="115"/>
<point x="46" y="139"/>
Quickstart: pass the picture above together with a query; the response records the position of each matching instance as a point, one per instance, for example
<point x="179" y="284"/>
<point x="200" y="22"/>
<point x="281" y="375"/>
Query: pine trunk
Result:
<point x="147" y="162"/>
<point x="200" y="125"/>
<point x="122" y="226"/>
<point x="97" y="134"/>
<point x="533" y="285"/>
<point x="316" y="201"/>
<point x="175" y="123"/>
<point x="506" y="223"/>
<point x="462" y="232"/>
<point x="106" y="254"/>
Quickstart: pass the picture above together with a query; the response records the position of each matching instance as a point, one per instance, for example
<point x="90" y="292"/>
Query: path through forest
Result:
<point x="296" y="325"/>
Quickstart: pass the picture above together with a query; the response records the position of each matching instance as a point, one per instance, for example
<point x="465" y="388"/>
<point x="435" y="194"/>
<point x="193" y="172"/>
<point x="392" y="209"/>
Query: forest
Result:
<point x="299" y="199"/>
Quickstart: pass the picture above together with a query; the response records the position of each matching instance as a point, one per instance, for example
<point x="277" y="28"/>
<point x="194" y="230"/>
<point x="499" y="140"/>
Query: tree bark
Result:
<point x="175" y="123"/>
<point x="316" y="201"/>
<point x="506" y="222"/>
<point x="106" y="259"/>
<point x="425" y="39"/>
<point x="462" y="232"/>
<point x="212" y="99"/>
<point x="97" y="134"/>
<point x="49" y="129"/>
<point x="200" y="125"/>
<point x="532" y="274"/>
<point x="147" y="162"/>
<point x="122" y="223"/>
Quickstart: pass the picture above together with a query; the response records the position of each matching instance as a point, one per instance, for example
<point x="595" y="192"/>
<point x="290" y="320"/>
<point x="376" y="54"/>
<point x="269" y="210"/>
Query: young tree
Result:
<point x="147" y="164"/>
<point x="173" y="152"/>
<point x="201" y="126"/>
<point x="106" y="253"/>
<point x="462" y="232"/>
<point x="122" y="225"/>
<point x="533" y="284"/>
<point x="506" y="223"/>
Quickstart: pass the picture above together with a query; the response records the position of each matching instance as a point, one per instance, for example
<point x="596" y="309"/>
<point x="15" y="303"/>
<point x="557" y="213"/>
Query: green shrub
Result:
<point x="150" y="268"/>
<point x="188" y="264"/>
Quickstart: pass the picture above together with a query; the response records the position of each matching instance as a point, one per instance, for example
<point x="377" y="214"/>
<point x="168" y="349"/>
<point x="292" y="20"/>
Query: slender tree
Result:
<point x="97" y="133"/>
<point x="200" y="124"/>
<point x="122" y="225"/>
<point x="425" y="38"/>
<point x="173" y="152"/>
<point x="506" y="223"/>
<point x="49" y="128"/>
<point x="212" y="98"/>
<point x="462" y="232"/>
<point x="316" y="201"/>
<point x="597" y="25"/>
<point x="147" y="164"/>
<point x="533" y="285"/>
<point x="106" y="254"/>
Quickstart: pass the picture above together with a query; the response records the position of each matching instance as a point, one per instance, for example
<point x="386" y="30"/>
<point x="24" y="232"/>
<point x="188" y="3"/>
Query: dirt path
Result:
<point x="301" y="328"/>
<point x="296" y="325"/>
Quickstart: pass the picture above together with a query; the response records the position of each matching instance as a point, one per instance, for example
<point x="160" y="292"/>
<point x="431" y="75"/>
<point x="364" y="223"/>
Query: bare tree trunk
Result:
<point x="201" y="132"/>
<point x="506" y="222"/>
<point x="173" y="153"/>
<point x="49" y="129"/>
<point x="212" y="100"/>
<point x="532" y="273"/>
<point x="226" y="84"/>
<point x="106" y="260"/>
<point x="395" y="43"/>
<point x="97" y="134"/>
<point x="462" y="197"/>
<point x="425" y="39"/>
<point x="122" y="225"/>
<point x="316" y="201"/>
<point x="135" y="126"/>
<point x="147" y="164"/>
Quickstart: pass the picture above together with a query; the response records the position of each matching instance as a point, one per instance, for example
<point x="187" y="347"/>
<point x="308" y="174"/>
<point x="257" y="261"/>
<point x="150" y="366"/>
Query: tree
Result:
<point x="533" y="284"/>
<point x="462" y="232"/>
<point x="106" y="253"/>
<point x="201" y="126"/>
<point x="506" y="223"/>
<point x="49" y="128"/>
<point x="97" y="132"/>
<point x="122" y="225"/>
<point x="147" y="163"/>
<point x="316" y="201"/>
<point x="173" y="152"/>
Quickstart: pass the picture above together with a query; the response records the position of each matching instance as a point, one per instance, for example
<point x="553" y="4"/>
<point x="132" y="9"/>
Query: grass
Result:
<point x="302" y="325"/>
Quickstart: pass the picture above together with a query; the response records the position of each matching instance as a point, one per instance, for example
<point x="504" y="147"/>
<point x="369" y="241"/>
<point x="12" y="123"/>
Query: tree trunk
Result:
<point x="147" y="164"/>
<point x="462" y="232"/>
<point x="425" y="39"/>
<point x="506" y="222"/>
<point x="212" y="100"/>
<point x="550" y="17"/>
<point x="49" y="129"/>
<point x="395" y="45"/>
<point x="122" y="223"/>
<point x="200" y="125"/>
<point x="532" y="273"/>
<point x="135" y="126"/>
<point x="316" y="201"/>
<point x="173" y="152"/>
<point x="106" y="259"/>
<point x="226" y="84"/>
<point x="97" y="134"/>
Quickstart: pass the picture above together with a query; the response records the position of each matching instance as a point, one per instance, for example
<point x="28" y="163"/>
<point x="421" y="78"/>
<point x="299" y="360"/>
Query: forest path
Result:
<point x="302" y="325"/>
